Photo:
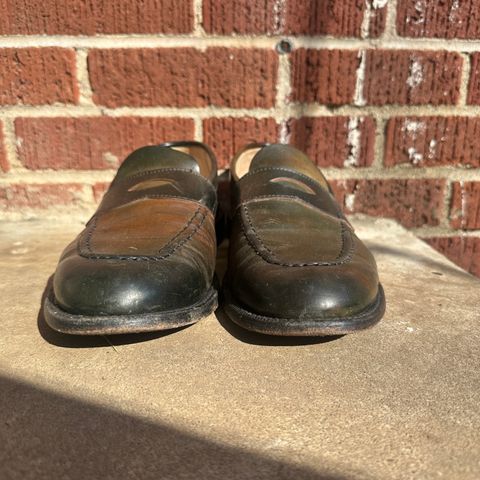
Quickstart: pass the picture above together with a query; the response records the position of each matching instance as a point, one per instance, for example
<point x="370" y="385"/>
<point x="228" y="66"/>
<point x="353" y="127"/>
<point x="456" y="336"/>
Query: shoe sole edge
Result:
<point x="312" y="326"/>
<point x="78" y="324"/>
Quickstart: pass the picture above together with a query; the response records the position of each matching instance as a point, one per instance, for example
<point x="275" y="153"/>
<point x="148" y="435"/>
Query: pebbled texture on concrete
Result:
<point x="399" y="401"/>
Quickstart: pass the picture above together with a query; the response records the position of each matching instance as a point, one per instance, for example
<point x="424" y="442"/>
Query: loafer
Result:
<point x="145" y="260"/>
<point x="295" y="265"/>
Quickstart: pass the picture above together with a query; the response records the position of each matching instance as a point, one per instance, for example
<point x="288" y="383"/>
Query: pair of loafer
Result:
<point x="146" y="259"/>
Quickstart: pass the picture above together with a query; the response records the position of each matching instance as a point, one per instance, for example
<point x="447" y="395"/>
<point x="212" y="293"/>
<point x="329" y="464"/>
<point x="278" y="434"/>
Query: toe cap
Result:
<point x="115" y="287"/>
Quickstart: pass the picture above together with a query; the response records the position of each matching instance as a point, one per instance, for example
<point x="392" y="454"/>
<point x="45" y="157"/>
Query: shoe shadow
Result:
<point x="254" y="338"/>
<point x="92" y="341"/>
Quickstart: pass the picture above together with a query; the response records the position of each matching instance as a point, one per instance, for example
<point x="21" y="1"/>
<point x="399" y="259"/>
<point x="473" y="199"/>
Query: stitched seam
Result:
<point x="193" y="200"/>
<point x="293" y="197"/>
<point x="275" y="169"/>
<point x="160" y="170"/>
<point x="171" y="243"/>
<point x="205" y="181"/>
<point x="342" y="257"/>
<point x="182" y="242"/>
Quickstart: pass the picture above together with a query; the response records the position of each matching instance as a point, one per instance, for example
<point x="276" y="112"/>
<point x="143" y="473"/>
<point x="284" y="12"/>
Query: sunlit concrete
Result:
<point x="399" y="401"/>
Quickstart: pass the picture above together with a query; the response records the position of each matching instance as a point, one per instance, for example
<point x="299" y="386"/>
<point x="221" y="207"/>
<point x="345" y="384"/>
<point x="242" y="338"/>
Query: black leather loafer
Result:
<point x="146" y="259"/>
<point x="295" y="266"/>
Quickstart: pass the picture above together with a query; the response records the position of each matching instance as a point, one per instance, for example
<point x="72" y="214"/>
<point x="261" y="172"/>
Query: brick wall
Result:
<point x="384" y="94"/>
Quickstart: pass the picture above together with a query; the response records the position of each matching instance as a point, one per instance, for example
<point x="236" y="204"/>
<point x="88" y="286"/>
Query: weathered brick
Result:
<point x="413" y="202"/>
<point x="227" y="136"/>
<point x="35" y="76"/>
<point x="464" y="251"/>
<point x="91" y="142"/>
<point x="433" y="141"/>
<point x="340" y="18"/>
<point x="415" y="77"/>
<point x="46" y="195"/>
<point x="99" y="189"/>
<point x="444" y="19"/>
<point x="4" y="166"/>
<point x="226" y="17"/>
<point x="473" y="94"/>
<point x="324" y="76"/>
<point x="81" y="17"/>
<point x="465" y="205"/>
<point x="184" y="77"/>
<point x="335" y="141"/>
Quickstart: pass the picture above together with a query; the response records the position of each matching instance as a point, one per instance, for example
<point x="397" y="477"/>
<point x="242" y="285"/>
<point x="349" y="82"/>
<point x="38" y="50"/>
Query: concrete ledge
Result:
<point x="400" y="401"/>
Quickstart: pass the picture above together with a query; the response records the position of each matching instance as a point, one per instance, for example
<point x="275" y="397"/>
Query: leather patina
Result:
<point x="147" y="256"/>
<point x="295" y="266"/>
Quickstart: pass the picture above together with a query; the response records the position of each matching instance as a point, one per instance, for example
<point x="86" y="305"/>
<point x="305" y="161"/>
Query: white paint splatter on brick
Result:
<point x="353" y="141"/>
<point x="432" y="150"/>
<point x="350" y="201"/>
<point x="414" y="156"/>
<point x="367" y="15"/>
<point x="420" y="6"/>
<point x="413" y="127"/>
<point x="452" y="16"/>
<point x="464" y="202"/>
<point x="110" y="159"/>
<point x="284" y="135"/>
<point x="415" y="77"/>
<point x="359" y="99"/>
<point x="279" y="16"/>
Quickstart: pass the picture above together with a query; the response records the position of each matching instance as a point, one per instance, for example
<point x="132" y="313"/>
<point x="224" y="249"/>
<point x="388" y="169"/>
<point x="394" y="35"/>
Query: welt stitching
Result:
<point x="93" y="256"/>
<point x="271" y="258"/>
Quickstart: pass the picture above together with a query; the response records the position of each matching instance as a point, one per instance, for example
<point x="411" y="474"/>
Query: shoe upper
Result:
<point x="292" y="252"/>
<point x="151" y="244"/>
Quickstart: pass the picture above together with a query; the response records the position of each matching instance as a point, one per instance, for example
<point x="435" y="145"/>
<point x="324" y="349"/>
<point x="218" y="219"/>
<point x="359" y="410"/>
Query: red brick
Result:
<point x="340" y="18"/>
<point x="99" y="189"/>
<point x="91" y="142"/>
<point x="17" y="196"/>
<point x="224" y="17"/>
<point x="433" y="141"/>
<point x="445" y="19"/>
<point x="335" y="141"/>
<point x="412" y="202"/>
<point x="81" y="17"/>
<point x="184" y="77"/>
<point x="464" y="251"/>
<point x="473" y="94"/>
<point x="412" y="77"/>
<point x="324" y="76"/>
<point x="4" y="166"/>
<point x="35" y="76"/>
<point x="227" y="136"/>
<point x="465" y="205"/>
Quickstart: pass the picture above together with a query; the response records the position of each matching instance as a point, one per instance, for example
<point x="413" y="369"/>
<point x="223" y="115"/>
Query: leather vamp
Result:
<point x="146" y="228"/>
<point x="291" y="232"/>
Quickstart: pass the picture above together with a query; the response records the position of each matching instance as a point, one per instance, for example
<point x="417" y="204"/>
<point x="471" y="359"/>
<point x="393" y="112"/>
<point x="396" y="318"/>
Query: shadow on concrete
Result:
<point x="254" y="338"/>
<point x="45" y="435"/>
<point x="438" y="268"/>
<point x="77" y="341"/>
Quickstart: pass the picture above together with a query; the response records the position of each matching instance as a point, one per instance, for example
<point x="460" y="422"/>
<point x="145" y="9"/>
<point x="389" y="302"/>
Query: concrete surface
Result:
<point x="400" y="401"/>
